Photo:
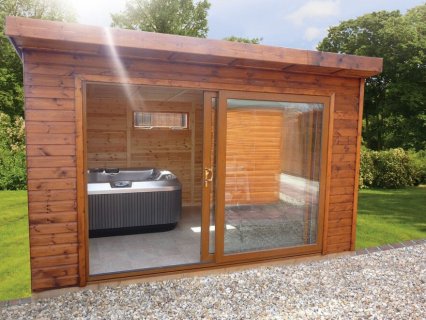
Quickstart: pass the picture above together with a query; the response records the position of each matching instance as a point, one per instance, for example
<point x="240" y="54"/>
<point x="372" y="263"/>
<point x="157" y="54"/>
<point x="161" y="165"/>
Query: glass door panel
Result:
<point x="212" y="189"/>
<point x="272" y="174"/>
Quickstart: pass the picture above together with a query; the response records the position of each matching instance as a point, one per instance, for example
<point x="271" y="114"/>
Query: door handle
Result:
<point x="208" y="176"/>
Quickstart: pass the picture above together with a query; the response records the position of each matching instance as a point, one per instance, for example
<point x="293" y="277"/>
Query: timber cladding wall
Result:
<point x="51" y="138"/>
<point x="298" y="132"/>
<point x="253" y="148"/>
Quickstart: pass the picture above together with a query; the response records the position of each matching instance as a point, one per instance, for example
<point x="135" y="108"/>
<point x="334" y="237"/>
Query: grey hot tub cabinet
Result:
<point x="128" y="201"/>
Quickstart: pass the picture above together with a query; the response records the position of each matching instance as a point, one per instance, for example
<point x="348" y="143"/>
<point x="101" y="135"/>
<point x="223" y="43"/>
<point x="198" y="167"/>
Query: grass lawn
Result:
<point x="390" y="216"/>
<point x="14" y="250"/>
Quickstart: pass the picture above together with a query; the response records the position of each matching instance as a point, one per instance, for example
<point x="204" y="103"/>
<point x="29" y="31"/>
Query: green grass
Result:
<point x="14" y="248"/>
<point x="390" y="216"/>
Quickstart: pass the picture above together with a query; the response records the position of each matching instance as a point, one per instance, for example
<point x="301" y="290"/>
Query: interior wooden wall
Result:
<point x="49" y="84"/>
<point x="112" y="141"/>
<point x="253" y="150"/>
<point x="299" y="132"/>
<point x="106" y="118"/>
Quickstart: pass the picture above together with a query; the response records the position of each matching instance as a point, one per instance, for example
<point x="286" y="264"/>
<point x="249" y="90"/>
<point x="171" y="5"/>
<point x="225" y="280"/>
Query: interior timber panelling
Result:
<point x="106" y="118"/>
<point x="298" y="131"/>
<point x="49" y="103"/>
<point x="112" y="141"/>
<point x="253" y="148"/>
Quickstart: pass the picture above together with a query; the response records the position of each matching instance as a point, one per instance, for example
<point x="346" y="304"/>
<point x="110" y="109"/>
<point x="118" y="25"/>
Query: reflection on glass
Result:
<point x="212" y="189"/>
<point x="272" y="174"/>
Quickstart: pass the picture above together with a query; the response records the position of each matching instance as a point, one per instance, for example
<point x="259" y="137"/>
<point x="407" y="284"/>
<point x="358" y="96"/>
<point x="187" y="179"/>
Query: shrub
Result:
<point x="418" y="161"/>
<point x="366" y="174"/>
<point x="12" y="153"/>
<point x="393" y="169"/>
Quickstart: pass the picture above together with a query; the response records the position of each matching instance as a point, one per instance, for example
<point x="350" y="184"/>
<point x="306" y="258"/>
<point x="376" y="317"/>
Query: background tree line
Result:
<point x="394" y="112"/>
<point x="395" y="100"/>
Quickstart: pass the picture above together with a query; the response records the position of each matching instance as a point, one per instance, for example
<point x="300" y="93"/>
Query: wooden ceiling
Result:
<point x="76" y="38"/>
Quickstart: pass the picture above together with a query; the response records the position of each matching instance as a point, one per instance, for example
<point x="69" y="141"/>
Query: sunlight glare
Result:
<point x="212" y="228"/>
<point x="96" y="12"/>
<point x="119" y="66"/>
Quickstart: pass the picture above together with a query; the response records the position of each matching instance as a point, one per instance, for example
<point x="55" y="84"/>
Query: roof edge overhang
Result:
<point x="25" y="33"/>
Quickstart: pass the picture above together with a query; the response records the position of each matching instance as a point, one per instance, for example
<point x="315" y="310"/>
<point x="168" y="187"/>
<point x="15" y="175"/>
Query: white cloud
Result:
<point x="315" y="9"/>
<point x="312" y="33"/>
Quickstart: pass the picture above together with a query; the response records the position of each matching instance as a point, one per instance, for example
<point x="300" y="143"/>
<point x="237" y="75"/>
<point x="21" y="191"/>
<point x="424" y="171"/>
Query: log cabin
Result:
<point x="152" y="154"/>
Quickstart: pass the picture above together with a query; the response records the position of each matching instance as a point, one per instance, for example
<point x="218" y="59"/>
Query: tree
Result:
<point x="11" y="92"/>
<point x="12" y="153"/>
<point x="395" y="100"/>
<point x="244" y="40"/>
<point x="183" y="17"/>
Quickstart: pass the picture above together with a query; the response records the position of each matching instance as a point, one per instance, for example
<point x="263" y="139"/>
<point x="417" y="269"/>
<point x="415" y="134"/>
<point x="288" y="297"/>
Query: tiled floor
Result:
<point x="269" y="226"/>
<point x="150" y="250"/>
<point x="248" y="228"/>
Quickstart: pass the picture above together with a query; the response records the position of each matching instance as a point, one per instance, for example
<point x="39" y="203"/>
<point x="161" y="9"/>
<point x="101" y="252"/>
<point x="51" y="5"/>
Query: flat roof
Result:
<point x="27" y="33"/>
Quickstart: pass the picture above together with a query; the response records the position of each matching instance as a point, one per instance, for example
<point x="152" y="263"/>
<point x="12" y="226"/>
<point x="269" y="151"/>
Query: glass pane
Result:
<point x="272" y="174"/>
<point x="212" y="189"/>
<point x="175" y="120"/>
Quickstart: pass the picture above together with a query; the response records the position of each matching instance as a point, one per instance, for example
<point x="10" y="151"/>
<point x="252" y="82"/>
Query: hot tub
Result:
<point x="128" y="201"/>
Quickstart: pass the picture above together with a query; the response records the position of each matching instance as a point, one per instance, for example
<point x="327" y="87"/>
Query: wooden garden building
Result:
<point x="153" y="154"/>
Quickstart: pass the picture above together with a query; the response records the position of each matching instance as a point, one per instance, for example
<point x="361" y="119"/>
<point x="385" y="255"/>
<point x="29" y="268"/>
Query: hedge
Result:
<point x="392" y="169"/>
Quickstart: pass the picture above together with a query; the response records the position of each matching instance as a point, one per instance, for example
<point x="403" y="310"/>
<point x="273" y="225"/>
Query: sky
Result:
<point x="285" y="23"/>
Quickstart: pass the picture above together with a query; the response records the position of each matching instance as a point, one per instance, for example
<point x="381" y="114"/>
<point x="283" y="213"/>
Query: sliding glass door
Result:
<point x="270" y="155"/>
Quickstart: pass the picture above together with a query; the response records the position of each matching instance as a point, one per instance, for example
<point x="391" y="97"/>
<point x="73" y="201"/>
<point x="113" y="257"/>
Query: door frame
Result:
<point x="220" y="255"/>
<point x="81" y="167"/>
<point x="208" y="164"/>
<point x="206" y="259"/>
